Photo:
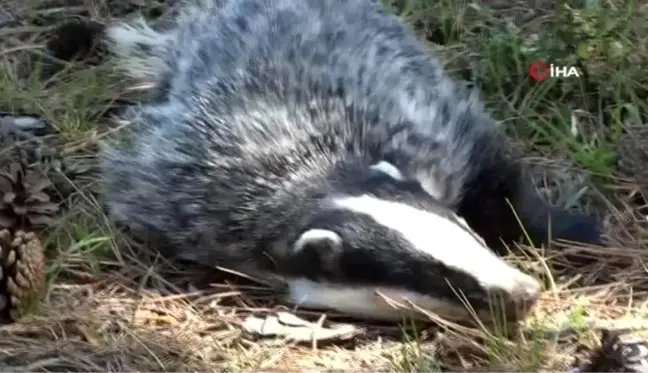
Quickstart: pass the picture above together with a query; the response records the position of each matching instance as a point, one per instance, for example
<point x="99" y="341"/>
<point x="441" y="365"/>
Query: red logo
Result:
<point x="539" y="70"/>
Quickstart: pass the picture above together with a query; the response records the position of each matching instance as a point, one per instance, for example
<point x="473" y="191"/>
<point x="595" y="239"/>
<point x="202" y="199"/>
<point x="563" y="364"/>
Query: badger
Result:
<point x="320" y="142"/>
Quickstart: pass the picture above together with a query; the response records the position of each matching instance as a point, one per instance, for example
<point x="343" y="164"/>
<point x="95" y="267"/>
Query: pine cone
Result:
<point x="19" y="138"/>
<point x="68" y="174"/>
<point x="608" y="358"/>
<point x="65" y="173"/>
<point x="24" y="202"/>
<point x="22" y="274"/>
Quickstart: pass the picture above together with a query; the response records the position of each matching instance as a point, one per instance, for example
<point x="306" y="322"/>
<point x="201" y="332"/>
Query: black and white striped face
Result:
<point x="388" y="236"/>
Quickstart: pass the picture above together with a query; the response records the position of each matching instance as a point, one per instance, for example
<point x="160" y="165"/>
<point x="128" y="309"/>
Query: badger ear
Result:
<point x="388" y="169"/>
<point x="323" y="241"/>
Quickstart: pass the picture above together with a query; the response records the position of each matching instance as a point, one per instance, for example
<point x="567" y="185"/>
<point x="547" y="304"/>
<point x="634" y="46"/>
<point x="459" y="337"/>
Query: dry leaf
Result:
<point x="294" y="328"/>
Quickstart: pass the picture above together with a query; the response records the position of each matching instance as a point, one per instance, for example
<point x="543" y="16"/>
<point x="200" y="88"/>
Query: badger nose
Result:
<point x="525" y="296"/>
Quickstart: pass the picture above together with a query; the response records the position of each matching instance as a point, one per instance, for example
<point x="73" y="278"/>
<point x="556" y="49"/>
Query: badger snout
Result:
<point x="519" y="298"/>
<point x="525" y="295"/>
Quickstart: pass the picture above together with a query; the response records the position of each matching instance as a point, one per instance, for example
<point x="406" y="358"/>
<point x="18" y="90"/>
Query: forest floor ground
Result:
<point x="108" y="308"/>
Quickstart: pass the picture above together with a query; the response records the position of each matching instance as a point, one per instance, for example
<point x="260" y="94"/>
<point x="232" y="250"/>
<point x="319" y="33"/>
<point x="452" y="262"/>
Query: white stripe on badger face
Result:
<point x="446" y="242"/>
<point x="364" y="302"/>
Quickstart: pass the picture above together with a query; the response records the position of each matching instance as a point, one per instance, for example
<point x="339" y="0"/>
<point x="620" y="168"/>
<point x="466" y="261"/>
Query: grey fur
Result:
<point x="265" y="110"/>
<point x="213" y="52"/>
<point x="380" y="66"/>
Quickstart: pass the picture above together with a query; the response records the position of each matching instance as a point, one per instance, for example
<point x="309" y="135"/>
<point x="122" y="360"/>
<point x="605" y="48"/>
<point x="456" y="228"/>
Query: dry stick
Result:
<point x="318" y="325"/>
<point x="621" y="326"/>
<point x="21" y="16"/>
<point x="24" y="30"/>
<point x="19" y="49"/>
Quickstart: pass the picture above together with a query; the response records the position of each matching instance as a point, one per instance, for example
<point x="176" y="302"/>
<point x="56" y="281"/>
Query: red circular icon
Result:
<point x="539" y="70"/>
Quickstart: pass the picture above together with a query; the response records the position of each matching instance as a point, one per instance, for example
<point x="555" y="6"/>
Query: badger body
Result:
<point x="319" y="141"/>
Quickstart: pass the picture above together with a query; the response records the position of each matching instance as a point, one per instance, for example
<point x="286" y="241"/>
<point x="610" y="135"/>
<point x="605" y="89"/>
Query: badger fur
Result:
<point x="319" y="141"/>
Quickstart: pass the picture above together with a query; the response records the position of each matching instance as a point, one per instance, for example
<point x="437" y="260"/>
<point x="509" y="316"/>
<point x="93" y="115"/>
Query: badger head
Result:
<point x="379" y="243"/>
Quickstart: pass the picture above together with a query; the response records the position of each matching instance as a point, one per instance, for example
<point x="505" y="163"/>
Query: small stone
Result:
<point x="28" y="123"/>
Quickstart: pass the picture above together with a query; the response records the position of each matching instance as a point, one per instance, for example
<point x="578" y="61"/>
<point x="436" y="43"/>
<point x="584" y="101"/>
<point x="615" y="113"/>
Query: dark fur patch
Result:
<point x="502" y="206"/>
<point x="76" y="40"/>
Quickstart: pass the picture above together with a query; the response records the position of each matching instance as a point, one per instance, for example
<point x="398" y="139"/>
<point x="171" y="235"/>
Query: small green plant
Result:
<point x="411" y="356"/>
